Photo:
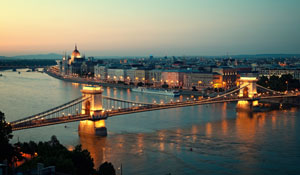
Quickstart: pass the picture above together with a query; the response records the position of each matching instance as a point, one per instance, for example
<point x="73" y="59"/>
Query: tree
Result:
<point x="165" y="85"/>
<point x="52" y="153"/>
<point x="140" y="84"/>
<point x="274" y="83"/>
<point x="263" y="81"/>
<point x="194" y="88"/>
<point x="82" y="161"/>
<point x="7" y="151"/>
<point x="106" y="168"/>
<point x="279" y="83"/>
<point x="54" y="141"/>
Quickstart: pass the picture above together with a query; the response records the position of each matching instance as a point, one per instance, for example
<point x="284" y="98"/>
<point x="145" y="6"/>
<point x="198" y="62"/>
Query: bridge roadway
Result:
<point x="137" y="109"/>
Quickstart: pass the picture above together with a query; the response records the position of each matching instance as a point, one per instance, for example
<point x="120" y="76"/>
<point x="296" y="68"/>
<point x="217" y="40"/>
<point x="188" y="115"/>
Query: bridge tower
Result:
<point x="92" y="106"/>
<point x="248" y="91"/>
<point x="250" y="87"/>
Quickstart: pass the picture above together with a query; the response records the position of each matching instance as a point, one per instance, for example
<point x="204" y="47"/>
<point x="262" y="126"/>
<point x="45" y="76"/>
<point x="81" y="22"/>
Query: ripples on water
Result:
<point x="208" y="139"/>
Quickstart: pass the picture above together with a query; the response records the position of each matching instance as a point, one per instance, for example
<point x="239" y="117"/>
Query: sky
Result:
<point x="149" y="27"/>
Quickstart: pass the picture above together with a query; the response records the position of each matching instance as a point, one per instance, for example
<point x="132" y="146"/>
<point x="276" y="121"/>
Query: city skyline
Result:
<point x="141" y="28"/>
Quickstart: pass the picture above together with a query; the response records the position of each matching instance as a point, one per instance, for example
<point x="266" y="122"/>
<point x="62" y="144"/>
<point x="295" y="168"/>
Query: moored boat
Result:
<point x="156" y="91"/>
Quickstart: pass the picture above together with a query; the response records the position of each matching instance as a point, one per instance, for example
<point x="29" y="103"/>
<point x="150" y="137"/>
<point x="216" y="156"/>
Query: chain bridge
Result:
<point x="92" y="108"/>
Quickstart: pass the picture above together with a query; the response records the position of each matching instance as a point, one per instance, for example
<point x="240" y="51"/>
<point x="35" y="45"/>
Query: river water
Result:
<point x="207" y="139"/>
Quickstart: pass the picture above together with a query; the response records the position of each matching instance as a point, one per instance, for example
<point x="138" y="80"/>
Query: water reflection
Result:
<point x="208" y="129"/>
<point x="240" y="141"/>
<point x="246" y="126"/>
<point x="194" y="133"/>
<point x="140" y="143"/>
<point x="97" y="146"/>
<point x="159" y="142"/>
<point x="224" y="127"/>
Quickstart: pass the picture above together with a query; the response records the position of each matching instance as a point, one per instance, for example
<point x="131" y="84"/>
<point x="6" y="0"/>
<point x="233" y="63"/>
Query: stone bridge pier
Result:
<point x="92" y="107"/>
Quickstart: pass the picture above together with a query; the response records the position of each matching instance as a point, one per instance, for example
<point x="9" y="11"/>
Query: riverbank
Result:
<point x="114" y="85"/>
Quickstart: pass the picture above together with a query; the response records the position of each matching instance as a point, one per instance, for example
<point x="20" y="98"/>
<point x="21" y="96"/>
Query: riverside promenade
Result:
<point x="107" y="84"/>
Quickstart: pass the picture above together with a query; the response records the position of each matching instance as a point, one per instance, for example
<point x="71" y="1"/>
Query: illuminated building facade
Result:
<point x="76" y="64"/>
<point x="229" y="76"/>
<point x="202" y="80"/>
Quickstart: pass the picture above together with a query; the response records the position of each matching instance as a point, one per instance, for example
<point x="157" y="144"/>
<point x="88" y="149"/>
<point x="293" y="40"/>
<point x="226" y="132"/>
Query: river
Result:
<point x="207" y="139"/>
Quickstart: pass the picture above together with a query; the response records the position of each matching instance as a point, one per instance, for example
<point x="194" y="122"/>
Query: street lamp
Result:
<point x="199" y="83"/>
<point x="224" y="84"/>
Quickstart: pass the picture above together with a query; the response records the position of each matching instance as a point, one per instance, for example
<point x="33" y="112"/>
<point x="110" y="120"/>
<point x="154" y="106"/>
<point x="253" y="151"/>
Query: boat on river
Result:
<point x="173" y="93"/>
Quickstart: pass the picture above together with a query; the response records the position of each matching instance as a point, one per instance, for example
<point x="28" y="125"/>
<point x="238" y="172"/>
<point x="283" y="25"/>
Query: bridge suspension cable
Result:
<point x="51" y="111"/>
<point x="228" y="93"/>
<point x="127" y="101"/>
<point x="264" y="88"/>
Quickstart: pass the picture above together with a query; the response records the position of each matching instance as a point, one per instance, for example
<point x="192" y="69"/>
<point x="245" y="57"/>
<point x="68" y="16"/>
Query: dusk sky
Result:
<point x="144" y="27"/>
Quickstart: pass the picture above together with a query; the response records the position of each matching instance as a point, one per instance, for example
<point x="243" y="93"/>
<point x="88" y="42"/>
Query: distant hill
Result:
<point x="267" y="56"/>
<point x="49" y="56"/>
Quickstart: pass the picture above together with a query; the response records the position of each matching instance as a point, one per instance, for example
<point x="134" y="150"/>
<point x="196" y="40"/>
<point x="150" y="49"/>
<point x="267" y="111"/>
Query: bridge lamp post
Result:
<point x="154" y="101"/>
<point x="120" y="168"/>
<point x="76" y="110"/>
<point x="287" y="85"/>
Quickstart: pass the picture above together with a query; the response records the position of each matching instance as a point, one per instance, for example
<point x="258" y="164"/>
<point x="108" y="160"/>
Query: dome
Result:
<point x="75" y="53"/>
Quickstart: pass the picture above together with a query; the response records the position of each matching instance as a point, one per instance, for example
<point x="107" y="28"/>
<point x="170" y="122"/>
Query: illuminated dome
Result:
<point x="75" y="53"/>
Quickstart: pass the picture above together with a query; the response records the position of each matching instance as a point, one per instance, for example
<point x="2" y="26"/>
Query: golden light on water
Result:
<point x="194" y="132"/>
<point x="245" y="126"/>
<point x="224" y="127"/>
<point x="208" y="129"/>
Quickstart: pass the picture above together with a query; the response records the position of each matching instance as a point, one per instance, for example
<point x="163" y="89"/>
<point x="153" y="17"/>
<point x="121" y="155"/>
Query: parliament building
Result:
<point x="76" y="65"/>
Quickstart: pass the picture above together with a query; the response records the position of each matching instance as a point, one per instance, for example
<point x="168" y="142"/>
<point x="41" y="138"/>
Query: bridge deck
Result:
<point x="137" y="109"/>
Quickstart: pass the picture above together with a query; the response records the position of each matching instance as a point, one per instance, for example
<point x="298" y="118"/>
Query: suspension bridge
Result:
<point x="92" y="108"/>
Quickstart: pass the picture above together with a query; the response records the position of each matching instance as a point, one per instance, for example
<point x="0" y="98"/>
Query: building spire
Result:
<point x="75" y="46"/>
